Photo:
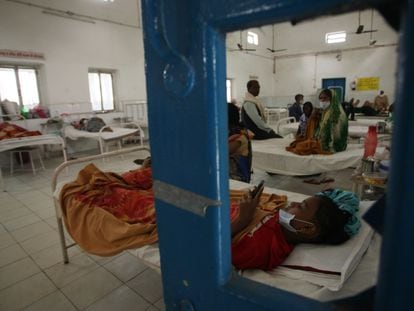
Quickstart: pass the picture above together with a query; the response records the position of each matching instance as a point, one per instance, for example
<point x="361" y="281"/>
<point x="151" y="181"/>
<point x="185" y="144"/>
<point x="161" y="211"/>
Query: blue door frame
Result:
<point x="337" y="84"/>
<point x="185" y="67"/>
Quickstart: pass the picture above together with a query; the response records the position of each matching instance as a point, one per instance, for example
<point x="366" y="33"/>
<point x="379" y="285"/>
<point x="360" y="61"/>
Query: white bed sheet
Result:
<point x="47" y="139"/>
<point x="271" y="156"/>
<point x="355" y="128"/>
<point x="347" y="260"/>
<point x="118" y="133"/>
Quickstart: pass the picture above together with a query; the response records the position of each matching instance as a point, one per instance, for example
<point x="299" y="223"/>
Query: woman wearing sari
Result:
<point x="332" y="131"/>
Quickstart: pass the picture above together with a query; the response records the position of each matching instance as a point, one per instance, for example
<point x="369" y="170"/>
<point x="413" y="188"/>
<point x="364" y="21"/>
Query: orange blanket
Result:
<point x="106" y="213"/>
<point x="307" y="144"/>
<point x="8" y="130"/>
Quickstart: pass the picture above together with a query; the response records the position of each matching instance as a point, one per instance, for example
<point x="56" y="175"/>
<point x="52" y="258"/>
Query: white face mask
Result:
<point x="301" y="102"/>
<point x="285" y="218"/>
<point x="324" y="105"/>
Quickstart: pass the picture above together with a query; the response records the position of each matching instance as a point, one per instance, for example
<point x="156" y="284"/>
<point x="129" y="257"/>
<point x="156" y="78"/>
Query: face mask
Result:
<point x="324" y="105"/>
<point x="285" y="218"/>
<point x="301" y="102"/>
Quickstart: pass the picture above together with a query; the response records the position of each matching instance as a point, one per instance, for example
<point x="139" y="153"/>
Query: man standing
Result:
<point x="253" y="115"/>
<point x="296" y="110"/>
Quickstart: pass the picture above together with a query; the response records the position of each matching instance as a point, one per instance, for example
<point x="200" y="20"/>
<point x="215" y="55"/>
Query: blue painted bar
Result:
<point x="185" y="68"/>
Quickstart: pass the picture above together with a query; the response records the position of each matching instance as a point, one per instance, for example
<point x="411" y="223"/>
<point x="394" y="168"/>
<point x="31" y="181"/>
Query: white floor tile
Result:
<point x="103" y="260"/>
<point x="79" y="265"/>
<point x="46" y="213"/>
<point x="11" y="254"/>
<point x="17" y="271"/>
<point x="148" y="284"/>
<point x="40" y="242"/>
<point x="53" y="301"/>
<point x="6" y="240"/>
<point x="13" y="213"/>
<point x="52" y="255"/>
<point x="125" y="267"/>
<point x="52" y="222"/>
<point x="25" y="292"/>
<point x="160" y="304"/>
<point x="31" y="231"/>
<point x="90" y="287"/>
<point x="21" y="222"/>
<point x="122" y="298"/>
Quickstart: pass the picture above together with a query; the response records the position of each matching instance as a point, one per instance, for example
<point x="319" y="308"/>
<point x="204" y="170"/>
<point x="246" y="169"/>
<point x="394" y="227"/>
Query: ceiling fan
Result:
<point x="360" y="28"/>
<point x="240" y="46"/>
<point x="273" y="50"/>
<point x="371" y="40"/>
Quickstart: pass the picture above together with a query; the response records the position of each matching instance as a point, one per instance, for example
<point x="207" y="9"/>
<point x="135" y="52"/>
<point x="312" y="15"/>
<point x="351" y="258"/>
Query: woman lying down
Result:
<point x="106" y="213"/>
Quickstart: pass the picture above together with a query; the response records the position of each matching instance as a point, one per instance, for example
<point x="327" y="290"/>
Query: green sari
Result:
<point x="333" y="127"/>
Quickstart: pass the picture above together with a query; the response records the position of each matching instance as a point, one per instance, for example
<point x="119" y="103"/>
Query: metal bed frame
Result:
<point x="55" y="177"/>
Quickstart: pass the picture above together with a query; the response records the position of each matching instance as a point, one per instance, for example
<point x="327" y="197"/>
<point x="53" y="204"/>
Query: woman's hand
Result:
<point x="246" y="212"/>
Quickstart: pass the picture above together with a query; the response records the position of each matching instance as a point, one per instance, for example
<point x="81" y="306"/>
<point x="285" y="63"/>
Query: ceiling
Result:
<point x="123" y="11"/>
<point x="309" y="36"/>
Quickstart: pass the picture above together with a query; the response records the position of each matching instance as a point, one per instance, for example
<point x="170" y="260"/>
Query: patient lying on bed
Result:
<point x="327" y="217"/>
<point x="106" y="213"/>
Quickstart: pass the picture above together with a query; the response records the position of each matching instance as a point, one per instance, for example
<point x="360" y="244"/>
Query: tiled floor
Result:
<point x="32" y="275"/>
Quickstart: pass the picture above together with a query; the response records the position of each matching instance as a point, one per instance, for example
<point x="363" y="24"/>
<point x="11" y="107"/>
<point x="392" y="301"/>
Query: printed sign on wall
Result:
<point x="367" y="84"/>
<point x="21" y="54"/>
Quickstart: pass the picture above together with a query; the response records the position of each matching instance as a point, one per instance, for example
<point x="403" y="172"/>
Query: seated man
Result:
<point x="253" y="115"/>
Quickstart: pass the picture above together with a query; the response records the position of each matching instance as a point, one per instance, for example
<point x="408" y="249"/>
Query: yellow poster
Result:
<point x="367" y="84"/>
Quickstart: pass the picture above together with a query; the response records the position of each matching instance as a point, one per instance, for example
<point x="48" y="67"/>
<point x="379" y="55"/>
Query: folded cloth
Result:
<point x="8" y="130"/>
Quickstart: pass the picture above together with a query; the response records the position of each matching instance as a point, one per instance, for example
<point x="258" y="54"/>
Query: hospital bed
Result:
<point x="104" y="137"/>
<point x="271" y="156"/>
<point x="47" y="139"/>
<point x="333" y="275"/>
<point x="358" y="128"/>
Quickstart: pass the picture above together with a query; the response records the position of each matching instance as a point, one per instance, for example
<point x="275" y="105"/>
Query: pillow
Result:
<point x="328" y="265"/>
<point x="10" y="108"/>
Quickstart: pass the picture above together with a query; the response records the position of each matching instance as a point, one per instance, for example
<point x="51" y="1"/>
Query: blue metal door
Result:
<point x="336" y="84"/>
<point x="185" y="68"/>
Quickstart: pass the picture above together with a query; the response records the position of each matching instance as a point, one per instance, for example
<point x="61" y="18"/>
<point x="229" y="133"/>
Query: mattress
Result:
<point x="271" y="156"/>
<point x="354" y="262"/>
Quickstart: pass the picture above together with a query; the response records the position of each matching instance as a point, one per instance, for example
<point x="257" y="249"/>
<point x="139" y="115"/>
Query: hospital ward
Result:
<point x="206" y="155"/>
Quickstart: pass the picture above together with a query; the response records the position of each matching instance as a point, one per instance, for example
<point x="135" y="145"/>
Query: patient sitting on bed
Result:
<point x="265" y="242"/>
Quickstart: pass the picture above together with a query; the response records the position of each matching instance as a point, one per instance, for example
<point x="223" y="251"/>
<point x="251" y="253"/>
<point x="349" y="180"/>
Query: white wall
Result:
<point x="301" y="74"/>
<point x="308" y="59"/>
<point x="240" y="66"/>
<point x="70" y="48"/>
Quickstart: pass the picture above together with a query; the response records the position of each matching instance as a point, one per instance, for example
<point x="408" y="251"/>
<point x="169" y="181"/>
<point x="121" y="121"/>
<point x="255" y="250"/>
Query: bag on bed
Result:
<point x="95" y="124"/>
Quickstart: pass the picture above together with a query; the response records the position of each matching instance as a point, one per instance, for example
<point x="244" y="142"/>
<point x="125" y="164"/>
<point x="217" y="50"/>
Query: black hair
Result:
<point x="297" y="96"/>
<point x="327" y="92"/>
<point x="391" y="108"/>
<point x="234" y="116"/>
<point x="331" y="221"/>
<point x="308" y="104"/>
<point x="250" y="83"/>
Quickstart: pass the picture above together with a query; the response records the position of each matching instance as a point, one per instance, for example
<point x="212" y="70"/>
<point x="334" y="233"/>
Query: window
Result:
<point x="101" y="90"/>
<point x="229" y="90"/>
<point x="252" y="38"/>
<point x="19" y="84"/>
<point x="335" y="37"/>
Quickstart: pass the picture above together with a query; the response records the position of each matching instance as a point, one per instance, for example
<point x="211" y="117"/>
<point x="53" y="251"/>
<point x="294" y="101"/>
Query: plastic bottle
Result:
<point x="371" y="142"/>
